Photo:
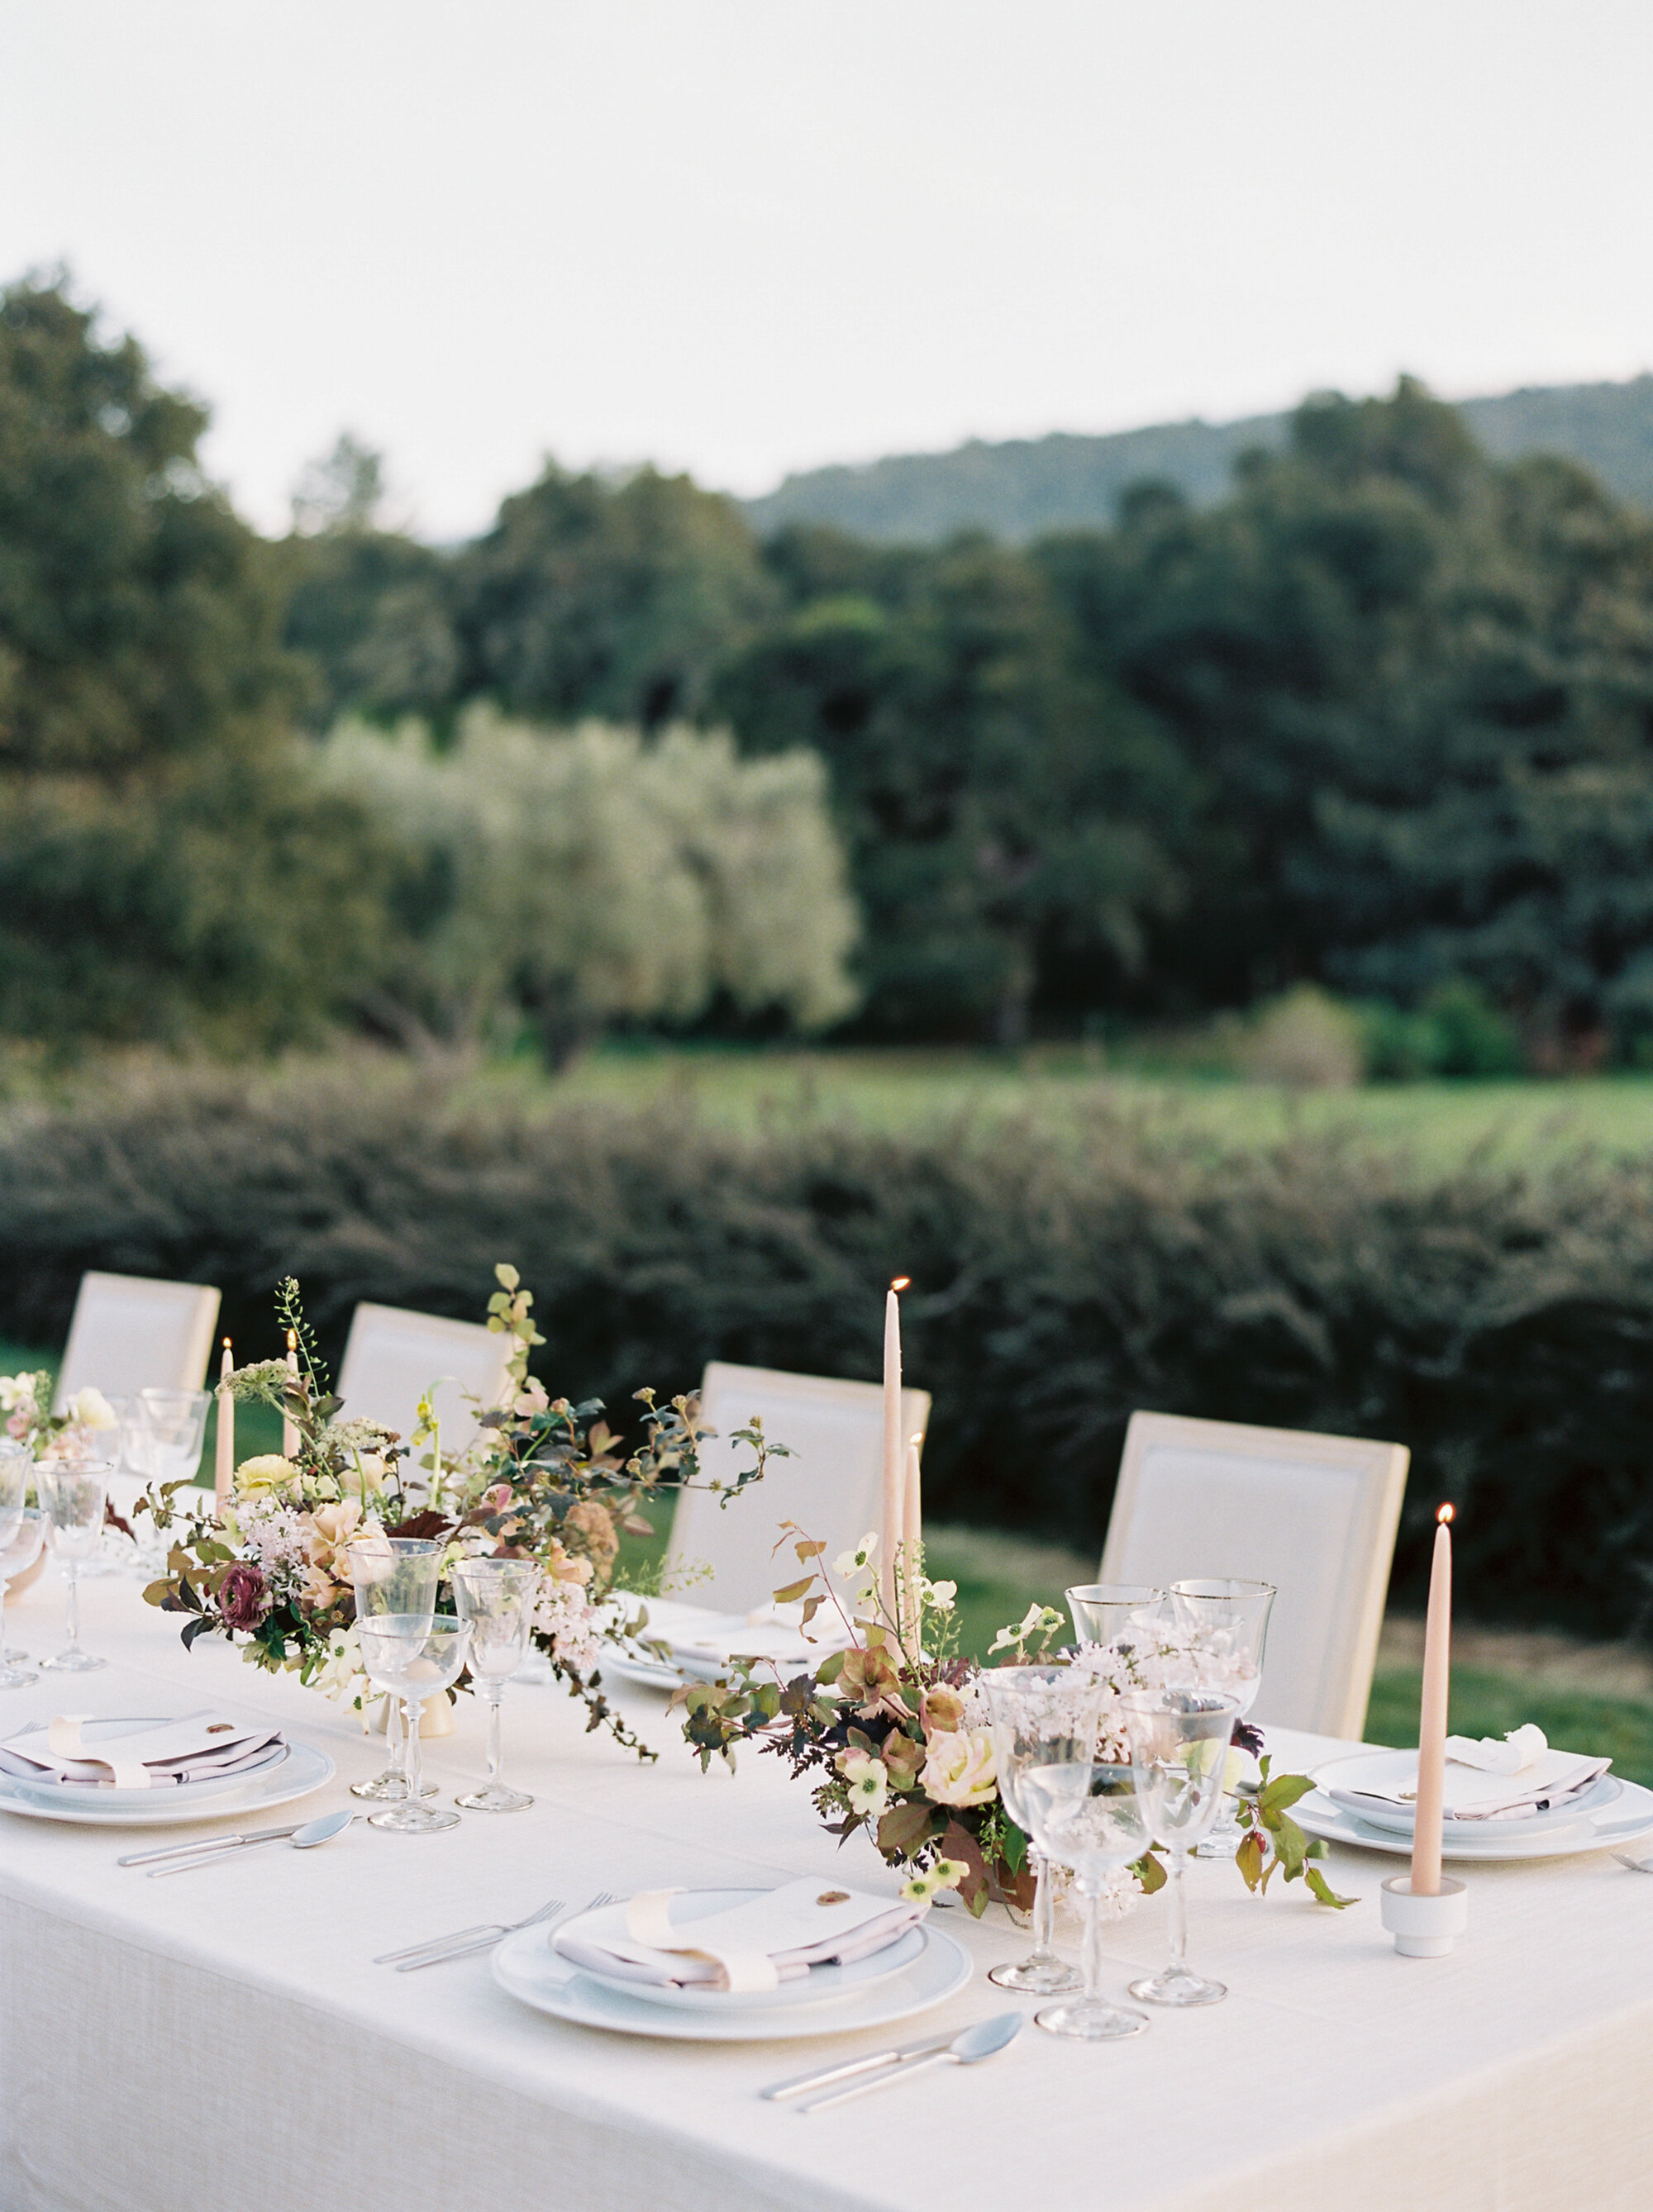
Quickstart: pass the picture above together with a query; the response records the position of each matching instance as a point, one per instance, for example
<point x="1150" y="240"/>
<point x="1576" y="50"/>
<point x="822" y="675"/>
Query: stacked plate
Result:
<point x="923" y="1967"/>
<point x="702" y="1645"/>
<point x="1605" y="1815"/>
<point x="286" y="1771"/>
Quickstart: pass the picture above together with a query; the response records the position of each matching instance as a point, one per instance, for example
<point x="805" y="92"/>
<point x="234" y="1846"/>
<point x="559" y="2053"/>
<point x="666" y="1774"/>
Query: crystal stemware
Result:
<point x="1038" y="1714"/>
<point x="414" y="1656"/>
<point x="22" y="1551"/>
<point x="73" y="1494"/>
<point x="496" y="1597"/>
<point x="1227" y="1621"/>
<point x="1122" y="1617"/>
<point x="1087" y="1814"/>
<point x="1179" y="1742"/>
<point x="169" y="1428"/>
<point x="394" y="1574"/>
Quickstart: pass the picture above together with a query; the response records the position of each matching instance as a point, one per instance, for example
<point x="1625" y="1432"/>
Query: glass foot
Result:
<point x="12" y="1658"/>
<point x="412" y="1819"/>
<point x="1222" y="1843"/>
<point x="495" y="1798"/>
<point x="1037" y="1975"/>
<point x="1090" y="2021"/>
<point x="1177" y="1985"/>
<point x="388" y="1788"/>
<point x="74" y="1662"/>
<point x="13" y="1678"/>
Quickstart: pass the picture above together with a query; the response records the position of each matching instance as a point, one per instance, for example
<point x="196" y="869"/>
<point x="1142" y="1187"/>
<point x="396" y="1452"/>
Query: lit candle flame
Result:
<point x="1444" y="1515"/>
<point x="901" y="1283"/>
<point x="292" y="1340"/>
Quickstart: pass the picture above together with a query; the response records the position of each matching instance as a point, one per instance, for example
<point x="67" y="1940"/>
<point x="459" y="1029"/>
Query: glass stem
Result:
<point x="1091" y="1960"/>
<point x="410" y="1765"/>
<point x="71" y="1567"/>
<point x="1179" y="1904"/>
<point x="393" y="1733"/>
<point x="496" y="1747"/>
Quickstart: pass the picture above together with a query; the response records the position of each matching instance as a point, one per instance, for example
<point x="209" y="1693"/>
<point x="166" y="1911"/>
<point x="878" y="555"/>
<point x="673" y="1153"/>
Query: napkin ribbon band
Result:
<point x="648" y="1920"/>
<point x="64" y="1742"/>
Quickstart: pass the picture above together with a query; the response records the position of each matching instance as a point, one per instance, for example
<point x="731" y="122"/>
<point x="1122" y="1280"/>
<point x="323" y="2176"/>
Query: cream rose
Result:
<point x="330" y="1531"/>
<point x="269" y="1475"/>
<point x="90" y="1409"/>
<point x="960" y="1769"/>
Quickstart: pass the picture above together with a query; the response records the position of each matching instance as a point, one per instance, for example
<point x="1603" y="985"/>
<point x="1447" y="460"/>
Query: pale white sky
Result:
<point x="745" y="236"/>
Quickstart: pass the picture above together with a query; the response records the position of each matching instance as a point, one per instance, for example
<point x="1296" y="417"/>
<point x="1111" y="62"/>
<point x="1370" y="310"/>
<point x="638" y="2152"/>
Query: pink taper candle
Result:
<point x="894" y="1458"/>
<point x="224" y="1467"/>
<point x="912" y="1519"/>
<point x="289" y="1432"/>
<point x="1432" y="1718"/>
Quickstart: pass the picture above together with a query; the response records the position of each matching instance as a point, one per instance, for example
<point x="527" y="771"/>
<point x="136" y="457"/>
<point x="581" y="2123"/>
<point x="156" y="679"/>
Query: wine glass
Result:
<point x="170" y="1426"/>
<point x="394" y="1574"/>
<point x="1227" y="1622"/>
<point x="73" y="1495"/>
<point x="22" y="1551"/>
<point x="496" y="1597"/>
<point x="1087" y="1814"/>
<point x="1123" y="1617"/>
<point x="1179" y="1742"/>
<point x="1038" y="1714"/>
<point x="414" y="1656"/>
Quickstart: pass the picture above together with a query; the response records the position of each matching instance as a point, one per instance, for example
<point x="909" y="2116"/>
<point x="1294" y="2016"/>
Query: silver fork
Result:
<point x="492" y="1931"/>
<point x="494" y="1937"/>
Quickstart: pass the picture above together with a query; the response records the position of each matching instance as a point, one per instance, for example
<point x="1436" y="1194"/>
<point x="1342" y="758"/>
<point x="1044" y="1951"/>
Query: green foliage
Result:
<point x="576" y="878"/>
<point x="1500" y="1323"/>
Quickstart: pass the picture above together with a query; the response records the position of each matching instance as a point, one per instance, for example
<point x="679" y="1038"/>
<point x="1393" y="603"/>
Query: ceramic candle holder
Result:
<point x="1425" y="1927"/>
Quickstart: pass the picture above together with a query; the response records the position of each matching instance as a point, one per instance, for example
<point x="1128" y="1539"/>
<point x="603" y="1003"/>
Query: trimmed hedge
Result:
<point x="1499" y="1324"/>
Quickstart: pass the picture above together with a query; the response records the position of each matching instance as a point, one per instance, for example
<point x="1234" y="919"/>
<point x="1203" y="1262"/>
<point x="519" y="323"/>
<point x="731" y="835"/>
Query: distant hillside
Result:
<point x="1065" y="482"/>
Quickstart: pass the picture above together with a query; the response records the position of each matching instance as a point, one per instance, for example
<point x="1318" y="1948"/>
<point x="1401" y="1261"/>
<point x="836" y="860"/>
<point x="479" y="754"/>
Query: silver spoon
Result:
<point x="302" y="1840"/>
<point x="968" y="2048"/>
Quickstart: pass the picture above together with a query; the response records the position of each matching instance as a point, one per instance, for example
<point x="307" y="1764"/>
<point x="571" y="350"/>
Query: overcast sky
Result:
<point x="746" y="236"/>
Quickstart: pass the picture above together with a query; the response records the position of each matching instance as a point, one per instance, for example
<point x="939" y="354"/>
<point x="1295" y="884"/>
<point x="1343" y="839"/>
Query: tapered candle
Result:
<point x="289" y="1432"/>
<point x="912" y="1519"/>
<point x="894" y="1458"/>
<point x="1432" y="1718"/>
<point x="223" y="1479"/>
<point x="912" y="1540"/>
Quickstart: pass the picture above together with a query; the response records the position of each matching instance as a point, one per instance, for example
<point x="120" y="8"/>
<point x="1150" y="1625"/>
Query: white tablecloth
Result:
<point x="222" y="2039"/>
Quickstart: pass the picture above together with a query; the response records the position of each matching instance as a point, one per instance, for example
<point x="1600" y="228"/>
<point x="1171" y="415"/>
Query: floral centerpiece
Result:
<point x="542" y="1480"/>
<point x="894" y="1732"/>
<point x="25" y="1406"/>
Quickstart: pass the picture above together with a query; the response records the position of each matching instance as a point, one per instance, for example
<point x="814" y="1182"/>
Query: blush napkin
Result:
<point x="752" y="1947"/>
<point x="700" y="1638"/>
<point x="1470" y="1794"/>
<point x="79" y="1748"/>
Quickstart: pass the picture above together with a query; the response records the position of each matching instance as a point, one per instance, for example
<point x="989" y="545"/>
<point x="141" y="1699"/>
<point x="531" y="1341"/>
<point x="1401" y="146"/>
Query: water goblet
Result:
<point x="394" y="1574"/>
<point x="1179" y="1742"/>
<point x="496" y="1597"/>
<point x="22" y="1551"/>
<point x="1086" y="1815"/>
<point x="1123" y="1617"/>
<point x="1227" y="1621"/>
<point x="73" y="1494"/>
<point x="170" y="1425"/>
<point x="1038" y="1714"/>
<point x="414" y="1656"/>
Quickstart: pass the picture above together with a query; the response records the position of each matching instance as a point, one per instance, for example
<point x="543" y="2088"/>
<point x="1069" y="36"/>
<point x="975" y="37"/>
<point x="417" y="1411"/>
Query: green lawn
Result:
<point x="1442" y="1122"/>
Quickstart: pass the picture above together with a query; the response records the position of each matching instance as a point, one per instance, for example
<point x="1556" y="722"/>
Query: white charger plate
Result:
<point x="1382" y="1769"/>
<point x="304" y="1769"/>
<point x="526" y="1967"/>
<point x="1625" y="1821"/>
<point x="823" y="1984"/>
<point x="69" y="1793"/>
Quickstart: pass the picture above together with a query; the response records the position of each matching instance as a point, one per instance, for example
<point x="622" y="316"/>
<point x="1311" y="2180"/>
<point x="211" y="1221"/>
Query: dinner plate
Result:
<point x="1624" y="1821"/>
<point x="1346" y="1775"/>
<point x="525" y="1966"/>
<point x="826" y="1984"/>
<point x="303" y="1769"/>
<point x="70" y="1793"/>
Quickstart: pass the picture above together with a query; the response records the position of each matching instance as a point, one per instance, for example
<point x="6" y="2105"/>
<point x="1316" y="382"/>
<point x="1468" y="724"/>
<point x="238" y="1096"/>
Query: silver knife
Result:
<point x="824" y="2076"/>
<point x="207" y="1844"/>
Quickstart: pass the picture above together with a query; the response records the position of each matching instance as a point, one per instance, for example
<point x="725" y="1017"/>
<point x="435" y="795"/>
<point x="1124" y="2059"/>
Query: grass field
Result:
<point x="1441" y="1123"/>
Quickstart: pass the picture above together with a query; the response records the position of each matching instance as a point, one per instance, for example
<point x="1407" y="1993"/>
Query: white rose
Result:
<point x="90" y="1409"/>
<point x="960" y="1769"/>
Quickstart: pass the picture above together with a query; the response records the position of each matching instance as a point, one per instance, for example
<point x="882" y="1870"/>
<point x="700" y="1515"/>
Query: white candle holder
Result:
<point x="1425" y="1927"/>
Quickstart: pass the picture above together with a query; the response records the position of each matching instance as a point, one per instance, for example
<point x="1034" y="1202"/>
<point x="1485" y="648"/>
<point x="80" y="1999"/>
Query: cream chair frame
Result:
<point x="394" y="1355"/>
<point x="132" y="1333"/>
<point x="1315" y="1515"/>
<point x="832" y="1485"/>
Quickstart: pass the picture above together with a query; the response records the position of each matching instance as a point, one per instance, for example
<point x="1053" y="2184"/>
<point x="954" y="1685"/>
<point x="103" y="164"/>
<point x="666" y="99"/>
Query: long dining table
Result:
<point x="225" y="2038"/>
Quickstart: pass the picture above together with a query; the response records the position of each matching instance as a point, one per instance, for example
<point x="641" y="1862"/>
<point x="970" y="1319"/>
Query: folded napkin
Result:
<point x="136" y="1755"/>
<point x="750" y="1947"/>
<point x="1519" y="1749"/>
<point x="1468" y="1794"/>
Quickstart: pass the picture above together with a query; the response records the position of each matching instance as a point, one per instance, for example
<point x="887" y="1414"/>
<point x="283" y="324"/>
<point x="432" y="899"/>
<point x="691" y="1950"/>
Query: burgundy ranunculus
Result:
<point x="243" y="1596"/>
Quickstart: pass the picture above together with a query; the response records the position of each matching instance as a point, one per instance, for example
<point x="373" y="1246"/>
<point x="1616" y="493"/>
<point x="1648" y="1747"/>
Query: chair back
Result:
<point x="132" y="1333"/>
<point x="392" y="1356"/>
<point x="831" y="1484"/>
<point x="1316" y="1515"/>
